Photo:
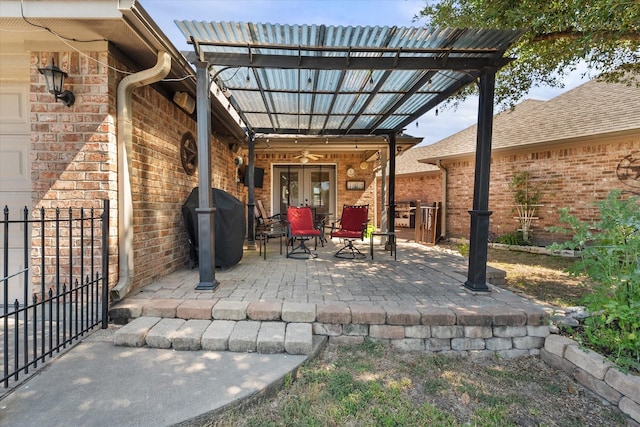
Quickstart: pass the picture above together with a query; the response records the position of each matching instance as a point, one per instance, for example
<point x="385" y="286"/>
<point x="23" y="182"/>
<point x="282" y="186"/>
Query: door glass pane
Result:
<point x="288" y="190"/>
<point x="320" y="190"/>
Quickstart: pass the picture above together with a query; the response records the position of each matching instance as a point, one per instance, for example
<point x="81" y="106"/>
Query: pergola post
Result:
<point x="251" y="238"/>
<point x="206" y="210"/>
<point x="384" y="220"/>
<point x="479" y="236"/>
<point x="392" y="182"/>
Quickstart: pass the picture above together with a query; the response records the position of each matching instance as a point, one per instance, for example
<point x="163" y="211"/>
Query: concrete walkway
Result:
<point x="98" y="384"/>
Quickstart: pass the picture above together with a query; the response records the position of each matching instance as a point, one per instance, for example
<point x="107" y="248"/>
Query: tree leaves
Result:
<point x="560" y="34"/>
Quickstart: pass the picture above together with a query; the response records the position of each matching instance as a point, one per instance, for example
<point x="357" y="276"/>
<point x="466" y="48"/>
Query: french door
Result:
<point x="314" y="186"/>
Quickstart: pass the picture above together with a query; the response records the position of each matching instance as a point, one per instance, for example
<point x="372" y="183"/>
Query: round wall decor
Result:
<point x="189" y="153"/>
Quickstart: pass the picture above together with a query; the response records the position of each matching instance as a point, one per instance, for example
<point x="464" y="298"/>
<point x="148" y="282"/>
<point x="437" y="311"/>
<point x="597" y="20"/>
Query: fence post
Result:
<point x="5" y="262"/>
<point x="105" y="263"/>
<point x="437" y="212"/>
<point x="417" y="224"/>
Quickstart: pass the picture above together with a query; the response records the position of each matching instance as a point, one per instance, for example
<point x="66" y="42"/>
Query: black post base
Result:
<point x="207" y="286"/>
<point x="477" y="273"/>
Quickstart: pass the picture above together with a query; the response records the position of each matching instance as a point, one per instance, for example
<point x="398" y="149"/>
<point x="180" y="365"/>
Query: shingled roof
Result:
<point x="594" y="108"/>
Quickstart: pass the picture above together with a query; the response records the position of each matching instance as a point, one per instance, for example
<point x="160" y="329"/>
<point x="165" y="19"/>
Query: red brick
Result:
<point x="161" y="308"/>
<point x="195" y="309"/>
<point x="367" y="314"/>
<point x="437" y="316"/>
<point x="469" y="316"/>
<point x="403" y="316"/>
<point x="264" y="310"/>
<point x="386" y="331"/>
<point x="333" y="313"/>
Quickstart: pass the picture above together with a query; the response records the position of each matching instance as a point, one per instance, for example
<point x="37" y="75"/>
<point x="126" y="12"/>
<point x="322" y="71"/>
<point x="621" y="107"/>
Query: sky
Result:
<point x="332" y="12"/>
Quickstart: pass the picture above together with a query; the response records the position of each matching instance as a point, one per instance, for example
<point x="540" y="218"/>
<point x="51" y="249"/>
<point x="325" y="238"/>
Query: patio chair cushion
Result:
<point x="301" y="221"/>
<point x="347" y="234"/>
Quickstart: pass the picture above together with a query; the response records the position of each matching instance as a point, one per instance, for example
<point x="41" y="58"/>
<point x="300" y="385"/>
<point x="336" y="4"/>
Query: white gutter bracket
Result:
<point x="125" y="147"/>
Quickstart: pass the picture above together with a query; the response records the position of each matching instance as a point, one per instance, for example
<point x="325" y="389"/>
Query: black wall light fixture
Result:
<point x="54" y="77"/>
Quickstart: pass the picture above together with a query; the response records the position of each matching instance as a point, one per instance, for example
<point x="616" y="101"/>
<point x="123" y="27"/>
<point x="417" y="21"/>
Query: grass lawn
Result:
<point x="541" y="277"/>
<point x="373" y="385"/>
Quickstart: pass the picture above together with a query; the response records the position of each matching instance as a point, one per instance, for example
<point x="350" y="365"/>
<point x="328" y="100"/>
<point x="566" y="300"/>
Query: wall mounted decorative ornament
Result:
<point x="189" y="153"/>
<point x="355" y="185"/>
<point x="628" y="171"/>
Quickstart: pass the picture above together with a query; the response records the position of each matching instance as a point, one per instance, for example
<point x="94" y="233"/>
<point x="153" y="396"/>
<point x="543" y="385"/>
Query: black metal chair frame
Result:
<point x="271" y="231"/>
<point x="268" y="227"/>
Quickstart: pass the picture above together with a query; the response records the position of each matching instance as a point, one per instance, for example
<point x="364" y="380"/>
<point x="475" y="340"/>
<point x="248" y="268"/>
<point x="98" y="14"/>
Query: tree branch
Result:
<point x="572" y="34"/>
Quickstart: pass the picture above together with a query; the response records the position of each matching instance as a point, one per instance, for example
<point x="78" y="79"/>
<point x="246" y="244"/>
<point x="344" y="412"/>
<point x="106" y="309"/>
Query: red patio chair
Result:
<point x="353" y="225"/>
<point x="300" y="226"/>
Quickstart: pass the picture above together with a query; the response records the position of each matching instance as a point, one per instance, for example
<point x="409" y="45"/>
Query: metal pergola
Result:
<point x="336" y="81"/>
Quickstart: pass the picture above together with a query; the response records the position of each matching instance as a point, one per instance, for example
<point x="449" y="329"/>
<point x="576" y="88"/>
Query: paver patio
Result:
<point x="417" y="302"/>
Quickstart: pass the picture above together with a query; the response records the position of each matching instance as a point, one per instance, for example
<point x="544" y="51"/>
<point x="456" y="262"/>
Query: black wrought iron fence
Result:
<point x="55" y="284"/>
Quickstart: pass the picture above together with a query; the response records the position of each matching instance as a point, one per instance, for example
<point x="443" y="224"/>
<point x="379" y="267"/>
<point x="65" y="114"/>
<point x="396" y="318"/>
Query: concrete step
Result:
<point x="217" y="335"/>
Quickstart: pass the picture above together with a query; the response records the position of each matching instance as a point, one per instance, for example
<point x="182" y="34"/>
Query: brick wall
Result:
<point x="574" y="175"/>
<point x="73" y="151"/>
<point x="74" y="159"/>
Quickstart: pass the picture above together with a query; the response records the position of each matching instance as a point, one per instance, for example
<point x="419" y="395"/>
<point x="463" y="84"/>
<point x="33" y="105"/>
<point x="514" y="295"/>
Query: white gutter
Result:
<point x="443" y="215"/>
<point x="125" y="144"/>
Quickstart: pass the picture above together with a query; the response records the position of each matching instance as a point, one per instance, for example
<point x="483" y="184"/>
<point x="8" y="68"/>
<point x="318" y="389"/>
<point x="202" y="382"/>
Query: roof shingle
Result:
<point x="594" y="108"/>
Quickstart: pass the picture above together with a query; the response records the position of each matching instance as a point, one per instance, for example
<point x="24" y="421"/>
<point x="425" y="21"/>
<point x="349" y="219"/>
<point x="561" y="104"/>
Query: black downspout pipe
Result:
<point x="251" y="235"/>
<point x="392" y="183"/>
<point x="206" y="209"/>
<point x="479" y="237"/>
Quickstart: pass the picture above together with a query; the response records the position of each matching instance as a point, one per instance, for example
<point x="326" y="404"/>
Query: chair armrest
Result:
<point x="333" y="224"/>
<point x="364" y="228"/>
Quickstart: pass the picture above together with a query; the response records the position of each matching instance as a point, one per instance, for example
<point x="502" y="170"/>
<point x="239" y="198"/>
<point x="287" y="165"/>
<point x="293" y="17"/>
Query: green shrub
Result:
<point x="515" y="238"/>
<point x="610" y="257"/>
<point x="463" y="248"/>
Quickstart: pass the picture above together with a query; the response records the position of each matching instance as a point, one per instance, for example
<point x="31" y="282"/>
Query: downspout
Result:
<point x="125" y="147"/>
<point x="443" y="214"/>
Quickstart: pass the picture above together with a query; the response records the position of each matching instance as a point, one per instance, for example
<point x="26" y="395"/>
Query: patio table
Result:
<point x="392" y="240"/>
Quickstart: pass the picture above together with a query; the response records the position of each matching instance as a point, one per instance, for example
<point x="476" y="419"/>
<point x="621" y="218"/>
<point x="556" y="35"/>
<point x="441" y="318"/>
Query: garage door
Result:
<point x="15" y="180"/>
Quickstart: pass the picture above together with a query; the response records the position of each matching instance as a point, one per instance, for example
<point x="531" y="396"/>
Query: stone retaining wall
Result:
<point x="487" y="330"/>
<point x="507" y="331"/>
<point x="595" y="373"/>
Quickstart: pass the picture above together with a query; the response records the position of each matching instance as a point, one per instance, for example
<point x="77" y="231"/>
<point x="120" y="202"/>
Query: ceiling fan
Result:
<point x="305" y="156"/>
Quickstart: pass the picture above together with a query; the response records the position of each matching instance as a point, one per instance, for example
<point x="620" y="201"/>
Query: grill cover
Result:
<point x="229" y="227"/>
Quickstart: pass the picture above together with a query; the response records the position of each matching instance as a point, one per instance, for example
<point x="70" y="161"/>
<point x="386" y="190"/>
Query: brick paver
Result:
<point x="195" y="309"/>
<point x="216" y="337"/>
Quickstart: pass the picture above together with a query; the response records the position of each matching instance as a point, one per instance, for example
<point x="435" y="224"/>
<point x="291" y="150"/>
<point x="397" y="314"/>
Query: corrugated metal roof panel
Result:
<point x="351" y="63"/>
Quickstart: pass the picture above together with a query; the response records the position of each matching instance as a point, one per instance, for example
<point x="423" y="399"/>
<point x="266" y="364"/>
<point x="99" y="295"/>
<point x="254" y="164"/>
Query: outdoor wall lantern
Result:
<point x="54" y="77"/>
